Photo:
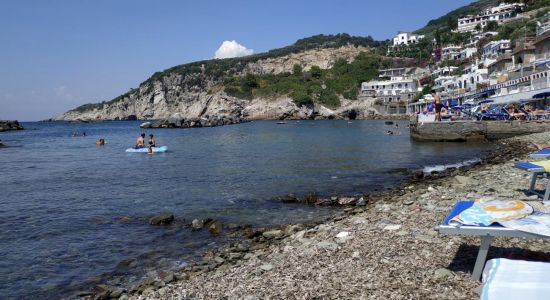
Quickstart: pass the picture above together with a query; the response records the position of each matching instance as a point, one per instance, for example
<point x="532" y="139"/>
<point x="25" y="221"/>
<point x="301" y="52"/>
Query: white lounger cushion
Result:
<point x="515" y="279"/>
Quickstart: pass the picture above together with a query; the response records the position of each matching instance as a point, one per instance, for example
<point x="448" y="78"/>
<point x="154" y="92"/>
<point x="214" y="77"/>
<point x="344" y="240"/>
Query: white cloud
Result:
<point x="230" y="49"/>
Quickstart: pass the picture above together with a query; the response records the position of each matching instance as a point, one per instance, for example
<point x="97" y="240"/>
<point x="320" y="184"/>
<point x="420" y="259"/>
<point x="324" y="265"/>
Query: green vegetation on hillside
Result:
<point x="315" y="85"/>
<point x="219" y="69"/>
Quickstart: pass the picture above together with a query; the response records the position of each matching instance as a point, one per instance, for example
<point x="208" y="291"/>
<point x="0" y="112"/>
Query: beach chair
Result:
<point x="515" y="279"/>
<point x="486" y="234"/>
<point x="544" y="153"/>
<point x="539" y="169"/>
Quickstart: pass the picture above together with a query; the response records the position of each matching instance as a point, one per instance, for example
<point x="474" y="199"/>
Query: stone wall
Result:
<point x="466" y="131"/>
<point x="10" y="125"/>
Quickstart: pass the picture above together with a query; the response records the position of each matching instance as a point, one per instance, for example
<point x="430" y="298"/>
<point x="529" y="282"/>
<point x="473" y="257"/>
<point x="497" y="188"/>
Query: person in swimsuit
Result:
<point x="438" y="106"/>
<point x="140" y="142"/>
<point x="151" y="141"/>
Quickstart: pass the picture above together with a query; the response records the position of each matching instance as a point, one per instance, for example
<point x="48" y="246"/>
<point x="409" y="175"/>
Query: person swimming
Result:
<point x="100" y="142"/>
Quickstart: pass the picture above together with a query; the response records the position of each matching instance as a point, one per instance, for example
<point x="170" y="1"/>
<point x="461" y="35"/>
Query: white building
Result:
<point x="450" y="53"/>
<point x="467" y="53"/>
<point x="501" y="13"/>
<point x="451" y="85"/>
<point x="406" y="38"/>
<point x="495" y="49"/>
<point x="394" y="93"/>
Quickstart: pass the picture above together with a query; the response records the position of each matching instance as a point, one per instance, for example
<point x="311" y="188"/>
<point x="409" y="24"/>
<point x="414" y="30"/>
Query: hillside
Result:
<point x="199" y="73"/>
<point x="209" y="88"/>
<point x="316" y="76"/>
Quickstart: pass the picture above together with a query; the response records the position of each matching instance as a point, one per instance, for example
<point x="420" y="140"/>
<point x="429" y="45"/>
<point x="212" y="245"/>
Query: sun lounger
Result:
<point x="544" y="153"/>
<point x="486" y="233"/>
<point x="515" y="279"/>
<point x="539" y="169"/>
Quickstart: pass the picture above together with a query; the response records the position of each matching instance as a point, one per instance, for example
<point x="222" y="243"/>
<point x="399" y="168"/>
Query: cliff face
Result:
<point x="195" y="94"/>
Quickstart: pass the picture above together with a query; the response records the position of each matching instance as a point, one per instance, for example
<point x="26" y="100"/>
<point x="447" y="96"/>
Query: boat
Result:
<point x="281" y="123"/>
<point x="146" y="149"/>
<point x="388" y="122"/>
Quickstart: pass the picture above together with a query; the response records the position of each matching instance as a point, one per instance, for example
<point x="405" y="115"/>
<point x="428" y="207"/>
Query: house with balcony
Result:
<point x="502" y="13"/>
<point x="450" y="52"/>
<point x="392" y="93"/>
<point x="494" y="49"/>
<point x="406" y="38"/>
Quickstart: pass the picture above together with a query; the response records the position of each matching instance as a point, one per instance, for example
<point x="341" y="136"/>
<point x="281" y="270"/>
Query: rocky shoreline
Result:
<point x="379" y="246"/>
<point x="10" y="125"/>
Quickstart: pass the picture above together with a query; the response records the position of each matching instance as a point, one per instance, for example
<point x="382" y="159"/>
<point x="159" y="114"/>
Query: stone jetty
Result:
<point x="466" y="131"/>
<point x="10" y="125"/>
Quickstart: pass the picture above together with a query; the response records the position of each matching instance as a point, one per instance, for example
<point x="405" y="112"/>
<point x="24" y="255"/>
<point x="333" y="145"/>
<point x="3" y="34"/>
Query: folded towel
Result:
<point x="537" y="223"/>
<point x="515" y="279"/>
<point x="489" y="212"/>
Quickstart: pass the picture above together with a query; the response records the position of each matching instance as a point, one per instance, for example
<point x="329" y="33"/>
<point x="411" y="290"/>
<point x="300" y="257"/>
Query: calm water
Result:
<point x="63" y="197"/>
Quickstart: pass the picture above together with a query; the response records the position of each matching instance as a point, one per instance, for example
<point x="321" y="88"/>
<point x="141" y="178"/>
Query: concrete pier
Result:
<point x="467" y="131"/>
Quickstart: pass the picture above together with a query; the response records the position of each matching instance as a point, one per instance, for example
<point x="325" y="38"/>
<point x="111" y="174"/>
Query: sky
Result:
<point x="58" y="54"/>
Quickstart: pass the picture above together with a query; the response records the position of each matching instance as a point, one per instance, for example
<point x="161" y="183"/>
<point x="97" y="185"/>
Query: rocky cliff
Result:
<point x="196" y="93"/>
<point x="10" y="125"/>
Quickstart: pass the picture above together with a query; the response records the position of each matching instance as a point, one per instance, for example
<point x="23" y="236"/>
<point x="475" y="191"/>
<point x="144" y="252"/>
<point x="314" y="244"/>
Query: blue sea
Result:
<point x="72" y="212"/>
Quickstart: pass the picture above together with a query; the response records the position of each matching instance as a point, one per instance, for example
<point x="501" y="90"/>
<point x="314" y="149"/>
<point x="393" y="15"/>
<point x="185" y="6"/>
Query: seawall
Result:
<point x="467" y="131"/>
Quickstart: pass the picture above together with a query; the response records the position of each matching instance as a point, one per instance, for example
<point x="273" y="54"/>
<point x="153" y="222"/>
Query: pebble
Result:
<point x="442" y="273"/>
<point x="342" y="234"/>
<point x="327" y="245"/>
<point x="392" y="227"/>
<point x="273" y="234"/>
<point x="266" y="267"/>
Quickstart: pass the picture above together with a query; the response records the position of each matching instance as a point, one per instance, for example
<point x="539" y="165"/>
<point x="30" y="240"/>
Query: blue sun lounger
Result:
<point x="544" y="153"/>
<point x="539" y="169"/>
<point x="486" y="233"/>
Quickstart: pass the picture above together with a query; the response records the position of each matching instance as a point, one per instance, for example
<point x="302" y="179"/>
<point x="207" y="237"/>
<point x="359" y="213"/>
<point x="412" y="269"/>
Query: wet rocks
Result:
<point x="197" y="224"/>
<point x="204" y="121"/>
<point x="214" y="227"/>
<point x="273" y="234"/>
<point x="10" y="125"/>
<point x="162" y="219"/>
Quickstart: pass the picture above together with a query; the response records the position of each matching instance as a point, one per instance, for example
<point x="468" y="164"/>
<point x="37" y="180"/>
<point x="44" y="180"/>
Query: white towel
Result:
<point x="515" y="279"/>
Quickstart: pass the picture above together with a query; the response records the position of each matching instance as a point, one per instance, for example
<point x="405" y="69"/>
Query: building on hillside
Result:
<point x="467" y="53"/>
<point x="542" y="41"/>
<point x="406" y="38"/>
<point x="495" y="49"/>
<point x="501" y="13"/>
<point x="450" y="85"/>
<point x="498" y="70"/>
<point x="393" y="91"/>
<point x="450" y="52"/>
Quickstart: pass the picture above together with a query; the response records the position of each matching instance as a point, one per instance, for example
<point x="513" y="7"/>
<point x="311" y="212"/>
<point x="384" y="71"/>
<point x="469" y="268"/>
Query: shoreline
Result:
<point x="257" y="250"/>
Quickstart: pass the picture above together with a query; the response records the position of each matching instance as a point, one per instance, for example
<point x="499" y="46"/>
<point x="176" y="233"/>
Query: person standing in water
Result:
<point x="151" y="141"/>
<point x="438" y="106"/>
<point x="140" y="142"/>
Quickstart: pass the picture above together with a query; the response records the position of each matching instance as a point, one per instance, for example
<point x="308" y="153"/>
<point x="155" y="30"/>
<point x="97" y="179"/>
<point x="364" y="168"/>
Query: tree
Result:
<point x="478" y="27"/>
<point x="491" y="26"/>
<point x="316" y="72"/>
<point x="297" y="70"/>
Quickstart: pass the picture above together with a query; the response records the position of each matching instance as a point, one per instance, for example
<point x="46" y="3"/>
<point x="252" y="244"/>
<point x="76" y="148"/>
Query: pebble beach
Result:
<point x="386" y="249"/>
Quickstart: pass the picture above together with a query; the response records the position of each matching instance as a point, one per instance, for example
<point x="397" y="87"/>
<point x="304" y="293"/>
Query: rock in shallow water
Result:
<point x="162" y="219"/>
